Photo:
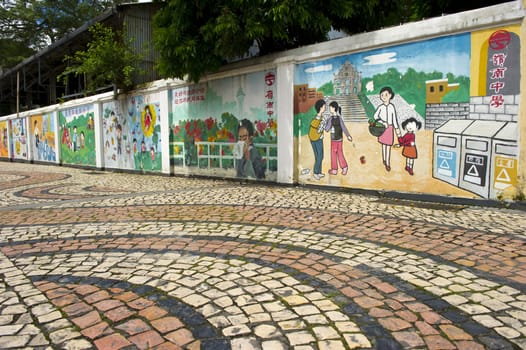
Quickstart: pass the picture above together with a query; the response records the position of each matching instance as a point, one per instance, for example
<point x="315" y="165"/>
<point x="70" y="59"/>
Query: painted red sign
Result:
<point x="499" y="40"/>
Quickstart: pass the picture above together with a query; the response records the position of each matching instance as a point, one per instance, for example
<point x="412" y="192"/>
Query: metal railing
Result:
<point x="181" y="154"/>
<point x="223" y="156"/>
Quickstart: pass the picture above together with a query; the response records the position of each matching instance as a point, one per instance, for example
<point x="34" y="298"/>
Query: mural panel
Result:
<point x="4" y="140"/>
<point x="491" y="164"/>
<point x="132" y="133"/>
<point x="394" y="119"/>
<point x="18" y="138"/>
<point x="77" y="135"/>
<point x="42" y="129"/>
<point x="226" y="127"/>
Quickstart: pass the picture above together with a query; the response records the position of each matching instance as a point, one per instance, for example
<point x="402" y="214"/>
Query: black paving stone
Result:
<point x="215" y="344"/>
<point x="141" y="290"/>
<point x="123" y="285"/>
<point x="497" y="344"/>
<point x="438" y="304"/>
<point x="204" y="332"/>
<point x="455" y="316"/>
<point x="387" y="344"/>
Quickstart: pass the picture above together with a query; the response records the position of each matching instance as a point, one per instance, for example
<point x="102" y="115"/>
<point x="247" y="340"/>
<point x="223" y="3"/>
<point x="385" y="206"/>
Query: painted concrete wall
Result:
<point x="131" y="133"/>
<point x="449" y="88"/>
<point x="403" y="122"/>
<point x="522" y="112"/>
<point x="209" y="122"/>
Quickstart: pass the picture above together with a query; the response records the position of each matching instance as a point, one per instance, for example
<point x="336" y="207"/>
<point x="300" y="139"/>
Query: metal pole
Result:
<point x="17" y="93"/>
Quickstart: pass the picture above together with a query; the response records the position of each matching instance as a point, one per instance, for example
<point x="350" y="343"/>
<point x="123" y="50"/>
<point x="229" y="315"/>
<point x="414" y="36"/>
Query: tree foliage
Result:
<point x="194" y="37"/>
<point x="35" y="24"/>
<point x="41" y="22"/>
<point x="197" y="37"/>
<point x="376" y="14"/>
<point x="14" y="52"/>
<point x="108" y="59"/>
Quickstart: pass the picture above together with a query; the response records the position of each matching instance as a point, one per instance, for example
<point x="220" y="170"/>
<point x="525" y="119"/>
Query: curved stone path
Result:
<point x="102" y="260"/>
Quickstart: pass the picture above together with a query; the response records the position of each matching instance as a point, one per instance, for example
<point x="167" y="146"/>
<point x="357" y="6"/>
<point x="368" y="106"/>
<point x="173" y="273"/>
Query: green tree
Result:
<point x="376" y="14"/>
<point x="197" y="37"/>
<point x="14" y="52"/>
<point x="36" y="24"/>
<point x="108" y="59"/>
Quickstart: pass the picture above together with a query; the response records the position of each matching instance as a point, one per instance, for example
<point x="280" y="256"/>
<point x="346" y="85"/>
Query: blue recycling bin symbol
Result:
<point x="447" y="163"/>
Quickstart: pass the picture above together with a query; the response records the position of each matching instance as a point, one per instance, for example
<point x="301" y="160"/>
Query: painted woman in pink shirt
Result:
<point x="386" y="114"/>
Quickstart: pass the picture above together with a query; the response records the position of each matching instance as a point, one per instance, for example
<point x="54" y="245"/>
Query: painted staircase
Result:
<point x="352" y="109"/>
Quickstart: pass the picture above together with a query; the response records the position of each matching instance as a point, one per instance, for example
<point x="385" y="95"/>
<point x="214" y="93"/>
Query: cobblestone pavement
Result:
<point x="102" y="260"/>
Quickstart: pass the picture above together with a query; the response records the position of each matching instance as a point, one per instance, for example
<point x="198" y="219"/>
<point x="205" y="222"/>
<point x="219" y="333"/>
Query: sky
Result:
<point x="449" y="54"/>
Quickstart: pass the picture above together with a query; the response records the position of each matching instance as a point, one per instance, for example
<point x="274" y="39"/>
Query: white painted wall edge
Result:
<point x="59" y="106"/>
<point x="285" y="73"/>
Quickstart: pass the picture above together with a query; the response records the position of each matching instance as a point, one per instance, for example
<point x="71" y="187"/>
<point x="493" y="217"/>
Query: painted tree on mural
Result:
<point x="411" y="85"/>
<point x="77" y="138"/>
<point x="190" y="131"/>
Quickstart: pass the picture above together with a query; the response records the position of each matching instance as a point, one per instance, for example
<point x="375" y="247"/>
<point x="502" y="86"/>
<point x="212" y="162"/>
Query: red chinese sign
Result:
<point x="498" y="41"/>
<point x="185" y="95"/>
<point x="270" y="79"/>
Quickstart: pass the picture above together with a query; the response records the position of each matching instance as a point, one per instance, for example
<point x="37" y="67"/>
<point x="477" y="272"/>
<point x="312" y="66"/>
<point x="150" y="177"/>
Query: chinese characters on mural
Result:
<point x="207" y="119"/>
<point x="189" y="95"/>
<point x="270" y="79"/>
<point x="422" y="101"/>
<point x="498" y="42"/>
<point x="383" y="119"/>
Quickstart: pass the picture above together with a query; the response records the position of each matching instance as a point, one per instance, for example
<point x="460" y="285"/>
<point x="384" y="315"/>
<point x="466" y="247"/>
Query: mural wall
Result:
<point x="18" y="137"/>
<point x="77" y="135"/>
<point x="394" y="119"/>
<point x="42" y="140"/>
<point x="226" y="127"/>
<point x="131" y="133"/>
<point x="4" y="140"/>
<point x="435" y="116"/>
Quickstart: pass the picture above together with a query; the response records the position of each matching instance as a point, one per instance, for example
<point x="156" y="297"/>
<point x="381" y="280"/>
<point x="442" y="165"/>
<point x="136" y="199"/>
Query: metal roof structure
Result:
<point x="33" y="82"/>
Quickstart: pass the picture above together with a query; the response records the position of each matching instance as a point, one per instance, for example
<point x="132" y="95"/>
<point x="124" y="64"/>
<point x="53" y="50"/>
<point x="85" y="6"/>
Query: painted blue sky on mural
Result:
<point x="449" y="54"/>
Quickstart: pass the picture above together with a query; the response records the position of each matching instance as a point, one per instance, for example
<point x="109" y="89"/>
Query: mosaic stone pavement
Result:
<point x="101" y="260"/>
